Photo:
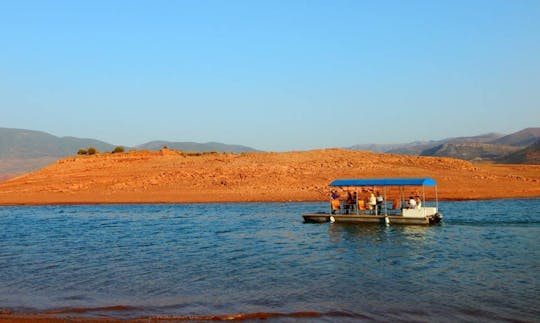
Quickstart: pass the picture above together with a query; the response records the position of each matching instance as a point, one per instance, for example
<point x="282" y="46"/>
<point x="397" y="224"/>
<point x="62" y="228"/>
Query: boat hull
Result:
<point x="316" y="217"/>
<point x="373" y="219"/>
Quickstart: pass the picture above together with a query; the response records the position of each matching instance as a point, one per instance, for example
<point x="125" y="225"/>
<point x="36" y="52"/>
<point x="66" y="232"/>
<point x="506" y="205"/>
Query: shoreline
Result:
<point x="56" y="316"/>
<point x="86" y="203"/>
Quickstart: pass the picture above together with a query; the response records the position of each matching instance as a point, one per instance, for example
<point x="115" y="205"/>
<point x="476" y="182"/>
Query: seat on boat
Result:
<point x="395" y="204"/>
<point x="361" y="205"/>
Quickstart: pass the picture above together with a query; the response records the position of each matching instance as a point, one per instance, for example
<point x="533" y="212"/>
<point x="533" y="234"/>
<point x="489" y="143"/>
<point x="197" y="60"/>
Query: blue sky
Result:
<point x="273" y="75"/>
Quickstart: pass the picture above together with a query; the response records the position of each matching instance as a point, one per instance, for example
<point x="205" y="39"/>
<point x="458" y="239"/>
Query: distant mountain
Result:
<point x="419" y="148"/>
<point x="469" y="151"/>
<point x="414" y="148"/>
<point x="490" y="147"/>
<point x="21" y="143"/>
<point x="528" y="155"/>
<point x="481" y="139"/>
<point x="382" y="148"/>
<point x="24" y="150"/>
<point x="193" y="146"/>
<point x="521" y="138"/>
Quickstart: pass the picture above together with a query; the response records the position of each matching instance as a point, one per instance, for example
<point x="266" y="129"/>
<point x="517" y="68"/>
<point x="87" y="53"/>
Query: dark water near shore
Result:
<point x="128" y="261"/>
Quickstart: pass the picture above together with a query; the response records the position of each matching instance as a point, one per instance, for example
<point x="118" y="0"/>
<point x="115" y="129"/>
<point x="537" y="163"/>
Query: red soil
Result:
<point x="172" y="176"/>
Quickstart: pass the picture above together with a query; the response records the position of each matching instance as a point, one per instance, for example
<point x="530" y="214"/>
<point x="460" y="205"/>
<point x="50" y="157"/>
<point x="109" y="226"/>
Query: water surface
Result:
<point x="128" y="261"/>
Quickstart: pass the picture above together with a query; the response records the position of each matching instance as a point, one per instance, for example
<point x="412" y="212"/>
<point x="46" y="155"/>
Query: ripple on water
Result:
<point x="211" y="259"/>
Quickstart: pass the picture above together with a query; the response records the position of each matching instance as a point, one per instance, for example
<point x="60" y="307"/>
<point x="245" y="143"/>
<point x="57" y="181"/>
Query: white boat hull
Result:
<point x="374" y="219"/>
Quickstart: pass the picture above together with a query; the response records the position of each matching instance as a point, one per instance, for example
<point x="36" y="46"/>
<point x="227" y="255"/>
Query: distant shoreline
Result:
<point x="455" y="199"/>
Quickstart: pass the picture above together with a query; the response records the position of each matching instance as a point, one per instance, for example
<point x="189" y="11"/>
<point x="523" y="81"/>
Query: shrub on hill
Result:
<point x="82" y="152"/>
<point x="118" y="149"/>
<point x="92" y="151"/>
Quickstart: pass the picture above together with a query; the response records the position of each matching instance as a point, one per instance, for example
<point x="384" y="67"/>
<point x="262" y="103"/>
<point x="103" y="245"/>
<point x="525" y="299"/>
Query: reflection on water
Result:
<point x="376" y="233"/>
<point x="342" y="231"/>
<point x="415" y="232"/>
<point x="210" y="259"/>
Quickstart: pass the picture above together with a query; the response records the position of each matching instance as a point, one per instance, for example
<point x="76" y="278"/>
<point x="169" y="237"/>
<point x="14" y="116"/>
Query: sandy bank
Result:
<point x="174" y="177"/>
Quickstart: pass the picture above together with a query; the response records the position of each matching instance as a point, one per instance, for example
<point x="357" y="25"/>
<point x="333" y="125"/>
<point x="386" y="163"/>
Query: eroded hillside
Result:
<point x="173" y="176"/>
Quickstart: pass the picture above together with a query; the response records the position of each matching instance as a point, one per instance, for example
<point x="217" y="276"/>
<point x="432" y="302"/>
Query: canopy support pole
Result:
<point x="401" y="199"/>
<point x="436" y="199"/>
<point x="356" y="202"/>
<point x="384" y="201"/>
<point x="423" y="195"/>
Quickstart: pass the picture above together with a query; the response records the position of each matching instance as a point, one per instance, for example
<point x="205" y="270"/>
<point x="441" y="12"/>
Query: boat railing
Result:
<point x="385" y="209"/>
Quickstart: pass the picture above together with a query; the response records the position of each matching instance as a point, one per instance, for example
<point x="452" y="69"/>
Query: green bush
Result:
<point x="92" y="151"/>
<point x="82" y="152"/>
<point x="118" y="149"/>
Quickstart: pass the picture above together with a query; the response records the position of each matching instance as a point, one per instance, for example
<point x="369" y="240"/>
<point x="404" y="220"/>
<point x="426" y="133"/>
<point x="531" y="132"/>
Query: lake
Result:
<point x="182" y="260"/>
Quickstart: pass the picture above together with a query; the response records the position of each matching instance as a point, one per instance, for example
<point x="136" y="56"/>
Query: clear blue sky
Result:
<point x="273" y="75"/>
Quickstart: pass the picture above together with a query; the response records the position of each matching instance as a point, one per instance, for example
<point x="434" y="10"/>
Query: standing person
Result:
<point x="379" y="201"/>
<point x="349" y="203"/>
<point x="372" y="202"/>
<point x="412" y="202"/>
<point x="418" y="202"/>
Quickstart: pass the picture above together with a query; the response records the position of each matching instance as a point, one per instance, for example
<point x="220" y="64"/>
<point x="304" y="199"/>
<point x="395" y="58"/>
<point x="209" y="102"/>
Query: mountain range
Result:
<point x="194" y="146"/>
<point x="24" y="150"/>
<point x="491" y="147"/>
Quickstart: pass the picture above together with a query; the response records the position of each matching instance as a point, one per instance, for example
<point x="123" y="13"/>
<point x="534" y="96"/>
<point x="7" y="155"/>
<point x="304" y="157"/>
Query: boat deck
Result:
<point x="375" y="219"/>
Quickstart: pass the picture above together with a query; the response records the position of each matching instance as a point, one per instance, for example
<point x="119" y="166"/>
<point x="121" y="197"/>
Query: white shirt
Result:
<point x="372" y="200"/>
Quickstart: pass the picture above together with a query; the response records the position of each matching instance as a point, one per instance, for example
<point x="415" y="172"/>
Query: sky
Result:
<point x="273" y="75"/>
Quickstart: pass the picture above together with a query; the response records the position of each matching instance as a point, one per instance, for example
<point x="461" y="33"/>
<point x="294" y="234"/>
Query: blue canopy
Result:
<point x="385" y="182"/>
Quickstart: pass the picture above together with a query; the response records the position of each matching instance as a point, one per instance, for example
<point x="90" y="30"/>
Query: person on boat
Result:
<point x="379" y="202"/>
<point x="372" y="202"/>
<point x="334" y="202"/>
<point x="412" y="202"/>
<point x="418" y="202"/>
<point x="349" y="202"/>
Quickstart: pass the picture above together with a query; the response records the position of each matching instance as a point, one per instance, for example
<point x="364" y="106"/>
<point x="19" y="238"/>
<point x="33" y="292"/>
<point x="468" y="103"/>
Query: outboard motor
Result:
<point x="435" y="218"/>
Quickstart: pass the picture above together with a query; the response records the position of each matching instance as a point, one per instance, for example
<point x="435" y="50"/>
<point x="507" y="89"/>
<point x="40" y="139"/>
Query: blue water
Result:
<point x="129" y="261"/>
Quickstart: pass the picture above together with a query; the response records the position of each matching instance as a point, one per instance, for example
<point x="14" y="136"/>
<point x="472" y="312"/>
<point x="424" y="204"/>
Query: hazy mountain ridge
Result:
<point x="22" y="143"/>
<point x="528" y="155"/>
<point x="488" y="147"/>
<point x="383" y="148"/>
<point x="469" y="151"/>
<point x="485" y="138"/>
<point x="417" y="148"/>
<point x="194" y="146"/>
<point x="522" y="138"/>
<point x="23" y="150"/>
